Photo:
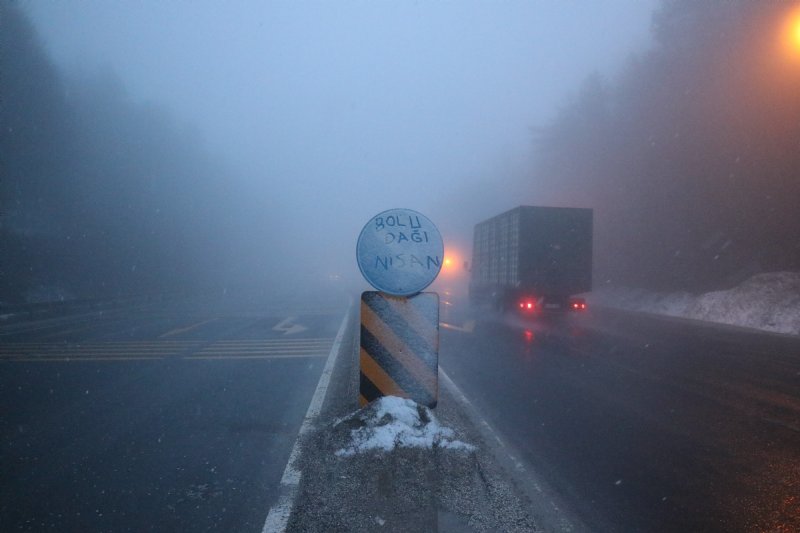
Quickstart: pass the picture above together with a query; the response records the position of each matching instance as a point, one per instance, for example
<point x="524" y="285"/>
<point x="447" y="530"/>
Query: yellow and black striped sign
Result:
<point x="400" y="347"/>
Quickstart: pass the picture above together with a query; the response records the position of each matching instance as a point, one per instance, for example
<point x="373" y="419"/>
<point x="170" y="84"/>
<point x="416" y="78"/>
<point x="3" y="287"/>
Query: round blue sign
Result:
<point x="400" y="252"/>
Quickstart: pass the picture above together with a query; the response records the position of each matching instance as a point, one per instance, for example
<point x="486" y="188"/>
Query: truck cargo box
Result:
<point x="541" y="251"/>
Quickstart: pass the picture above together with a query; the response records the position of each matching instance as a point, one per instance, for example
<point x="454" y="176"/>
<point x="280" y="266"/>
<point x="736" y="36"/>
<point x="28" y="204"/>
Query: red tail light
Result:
<point x="578" y="305"/>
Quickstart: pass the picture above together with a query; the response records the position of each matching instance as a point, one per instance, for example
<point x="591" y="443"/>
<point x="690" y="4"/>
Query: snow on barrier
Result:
<point x="391" y="422"/>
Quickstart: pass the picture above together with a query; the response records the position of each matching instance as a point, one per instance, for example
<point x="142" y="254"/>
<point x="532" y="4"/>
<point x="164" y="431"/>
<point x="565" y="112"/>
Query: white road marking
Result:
<point x="468" y="327"/>
<point x="463" y="399"/>
<point x="279" y="514"/>
<point x="288" y="328"/>
<point x="554" y="514"/>
<point x="178" y="331"/>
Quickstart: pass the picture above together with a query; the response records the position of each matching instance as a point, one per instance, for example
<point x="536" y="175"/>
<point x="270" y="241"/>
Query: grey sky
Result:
<point x="345" y="108"/>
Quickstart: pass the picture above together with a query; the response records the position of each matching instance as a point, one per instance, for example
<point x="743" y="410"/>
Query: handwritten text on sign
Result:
<point x="400" y="252"/>
<point x="400" y="229"/>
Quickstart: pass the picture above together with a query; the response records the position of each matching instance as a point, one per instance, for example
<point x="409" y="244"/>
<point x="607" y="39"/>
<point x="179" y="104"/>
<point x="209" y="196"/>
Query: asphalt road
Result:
<point x="181" y="417"/>
<point x="643" y="424"/>
<point x="163" y="418"/>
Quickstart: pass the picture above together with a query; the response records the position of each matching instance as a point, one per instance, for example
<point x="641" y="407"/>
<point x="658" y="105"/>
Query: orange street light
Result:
<point x="791" y="33"/>
<point x="450" y="262"/>
<point x="796" y="31"/>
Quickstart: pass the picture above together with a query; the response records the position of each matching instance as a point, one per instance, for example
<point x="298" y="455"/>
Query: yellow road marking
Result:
<point x="270" y="346"/>
<point x="213" y="348"/>
<point x="162" y="348"/>
<point x="188" y="328"/>
<point x="107" y="343"/>
<point x="40" y="355"/>
<point x="89" y="354"/>
<point x="110" y="347"/>
<point x="275" y="341"/>
<point x="258" y="356"/>
<point x="150" y="350"/>
<point x="77" y="359"/>
<point x="69" y="358"/>
<point x="100" y="347"/>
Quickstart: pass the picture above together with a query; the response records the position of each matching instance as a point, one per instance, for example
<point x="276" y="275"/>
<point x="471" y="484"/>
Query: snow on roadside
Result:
<point x="393" y="422"/>
<point x="769" y="301"/>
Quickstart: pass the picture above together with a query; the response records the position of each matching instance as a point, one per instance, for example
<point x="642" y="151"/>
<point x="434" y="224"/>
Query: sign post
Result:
<point x="399" y="252"/>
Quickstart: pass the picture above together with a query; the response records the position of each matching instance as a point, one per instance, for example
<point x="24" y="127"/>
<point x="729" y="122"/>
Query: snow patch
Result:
<point x="769" y="301"/>
<point x="391" y="422"/>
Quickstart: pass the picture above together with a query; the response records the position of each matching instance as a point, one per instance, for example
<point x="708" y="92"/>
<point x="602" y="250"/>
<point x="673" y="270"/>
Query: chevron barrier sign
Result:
<point x="399" y="347"/>
<point x="399" y="252"/>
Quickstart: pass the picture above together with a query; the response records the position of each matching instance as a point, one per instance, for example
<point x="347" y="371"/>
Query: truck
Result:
<point x="532" y="259"/>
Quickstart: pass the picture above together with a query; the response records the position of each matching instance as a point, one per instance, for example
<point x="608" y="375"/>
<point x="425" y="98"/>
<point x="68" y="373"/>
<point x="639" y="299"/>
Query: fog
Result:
<point x="329" y="112"/>
<point x="249" y="142"/>
<point x="690" y="156"/>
